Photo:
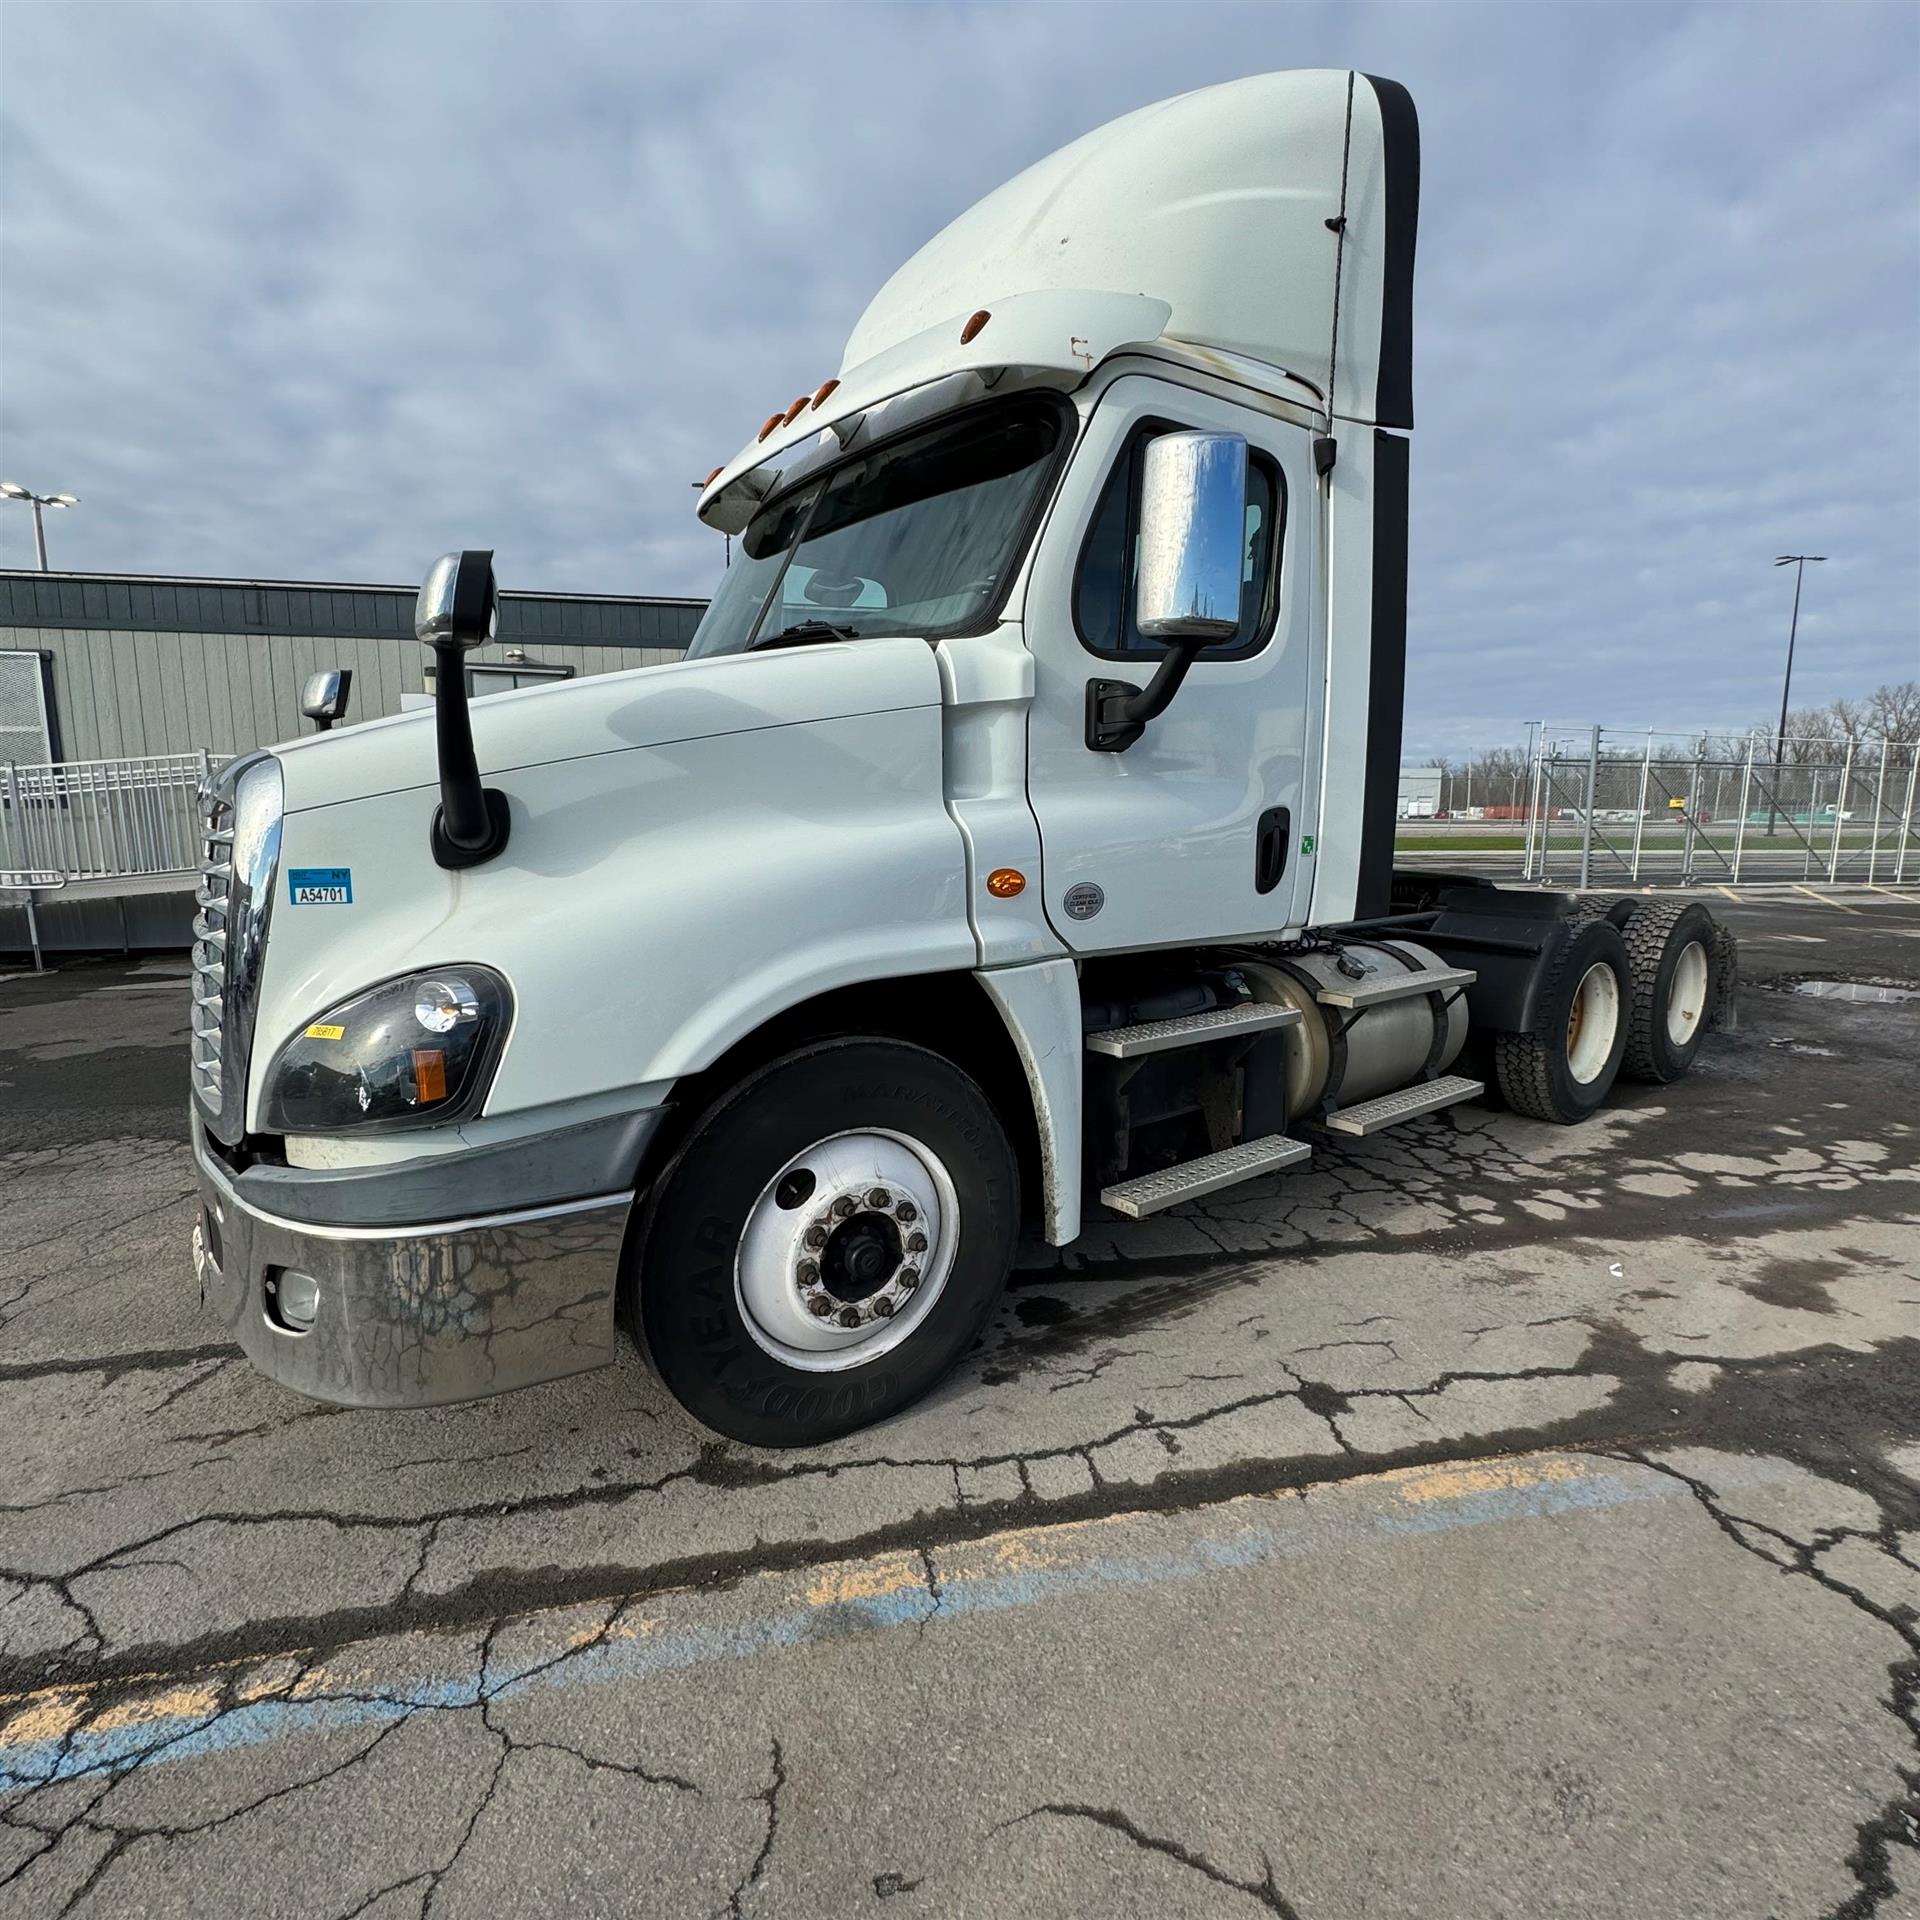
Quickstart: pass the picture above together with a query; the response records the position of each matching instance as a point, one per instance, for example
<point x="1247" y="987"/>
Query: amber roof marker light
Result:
<point x="826" y="387"/>
<point x="970" y="332"/>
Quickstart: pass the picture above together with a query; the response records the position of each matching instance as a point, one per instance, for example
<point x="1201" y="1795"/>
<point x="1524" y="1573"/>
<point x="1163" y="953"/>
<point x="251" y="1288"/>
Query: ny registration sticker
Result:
<point x="320" y="886"/>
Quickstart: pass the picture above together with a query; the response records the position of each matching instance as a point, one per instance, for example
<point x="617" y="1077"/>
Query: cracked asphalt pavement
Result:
<point x="1486" y="1519"/>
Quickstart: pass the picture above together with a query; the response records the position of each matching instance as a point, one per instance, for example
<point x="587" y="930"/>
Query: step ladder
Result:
<point x="1153" y="1192"/>
<point x="1245" y="1160"/>
<point x="1405" y="1103"/>
<point x="1190" y="1029"/>
<point x="1378" y="989"/>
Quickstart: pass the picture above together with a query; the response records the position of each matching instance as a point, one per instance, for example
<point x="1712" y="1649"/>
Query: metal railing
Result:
<point x="103" y="819"/>
<point x="1606" y="807"/>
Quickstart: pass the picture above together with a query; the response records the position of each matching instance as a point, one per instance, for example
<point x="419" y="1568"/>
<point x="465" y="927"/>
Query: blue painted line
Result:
<point x="1279" y="1531"/>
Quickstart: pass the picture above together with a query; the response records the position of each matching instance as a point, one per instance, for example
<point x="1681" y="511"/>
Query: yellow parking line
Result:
<point x="1825" y="899"/>
<point x="1731" y="895"/>
<point x="1873" y="886"/>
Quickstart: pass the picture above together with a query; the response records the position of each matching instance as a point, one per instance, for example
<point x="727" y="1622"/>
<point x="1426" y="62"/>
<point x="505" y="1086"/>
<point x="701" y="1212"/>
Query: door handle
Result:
<point x="1270" y="848"/>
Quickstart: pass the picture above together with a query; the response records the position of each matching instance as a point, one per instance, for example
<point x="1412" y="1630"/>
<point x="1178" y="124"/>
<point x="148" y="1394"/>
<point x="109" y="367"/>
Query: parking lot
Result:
<point x="1486" y="1519"/>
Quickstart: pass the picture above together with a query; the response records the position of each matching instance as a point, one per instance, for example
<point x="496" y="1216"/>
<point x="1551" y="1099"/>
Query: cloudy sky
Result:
<point x="318" y="291"/>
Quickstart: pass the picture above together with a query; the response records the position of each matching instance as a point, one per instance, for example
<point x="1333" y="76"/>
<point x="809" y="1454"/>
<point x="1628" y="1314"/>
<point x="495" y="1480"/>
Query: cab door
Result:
<point x="1199" y="831"/>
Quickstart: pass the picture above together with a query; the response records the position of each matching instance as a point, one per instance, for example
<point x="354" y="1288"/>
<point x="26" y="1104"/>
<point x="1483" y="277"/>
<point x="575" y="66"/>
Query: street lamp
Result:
<point x="1798" y="562"/>
<point x="13" y="490"/>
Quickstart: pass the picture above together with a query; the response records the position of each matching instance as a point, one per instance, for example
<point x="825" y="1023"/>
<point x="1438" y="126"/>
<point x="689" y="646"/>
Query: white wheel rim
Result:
<point x="805" y="1267"/>
<point x="1593" y="1023"/>
<point x="1687" y="996"/>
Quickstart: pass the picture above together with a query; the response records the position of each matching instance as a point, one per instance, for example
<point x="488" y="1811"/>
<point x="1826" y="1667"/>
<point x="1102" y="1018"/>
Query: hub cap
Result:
<point x="846" y="1250"/>
<point x="1687" y="995"/>
<point x="1592" y="1024"/>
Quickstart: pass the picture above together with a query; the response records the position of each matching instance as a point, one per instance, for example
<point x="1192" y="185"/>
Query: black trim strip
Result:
<point x="1400" y="161"/>
<point x="548" y="1169"/>
<point x="1387" y="677"/>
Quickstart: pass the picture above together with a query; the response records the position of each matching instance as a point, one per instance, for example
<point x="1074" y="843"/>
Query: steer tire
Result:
<point x="694" y="1268"/>
<point x="1670" y="945"/>
<point x="1557" y="1069"/>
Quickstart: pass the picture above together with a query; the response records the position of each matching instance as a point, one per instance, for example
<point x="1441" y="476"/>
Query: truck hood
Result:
<point x="610" y="712"/>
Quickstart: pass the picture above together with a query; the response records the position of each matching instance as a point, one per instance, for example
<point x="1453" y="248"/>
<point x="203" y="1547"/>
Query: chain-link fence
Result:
<point x="1605" y="807"/>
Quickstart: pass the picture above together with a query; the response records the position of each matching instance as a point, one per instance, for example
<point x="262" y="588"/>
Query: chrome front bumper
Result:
<point x="413" y="1316"/>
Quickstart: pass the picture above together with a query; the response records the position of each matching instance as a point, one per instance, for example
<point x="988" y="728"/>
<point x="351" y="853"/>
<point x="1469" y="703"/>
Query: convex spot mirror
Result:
<point x="1193" y="516"/>
<point x="458" y="605"/>
<point x="324" y="698"/>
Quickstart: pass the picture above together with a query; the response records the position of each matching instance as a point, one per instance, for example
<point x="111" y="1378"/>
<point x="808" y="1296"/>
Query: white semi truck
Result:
<point x="1016" y="834"/>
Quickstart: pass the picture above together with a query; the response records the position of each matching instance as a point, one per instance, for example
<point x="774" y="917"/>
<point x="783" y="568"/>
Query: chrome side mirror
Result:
<point x="1192" y="531"/>
<point x="458" y="604"/>
<point x="458" y="610"/>
<point x="324" y="698"/>
<point x="1193" y="520"/>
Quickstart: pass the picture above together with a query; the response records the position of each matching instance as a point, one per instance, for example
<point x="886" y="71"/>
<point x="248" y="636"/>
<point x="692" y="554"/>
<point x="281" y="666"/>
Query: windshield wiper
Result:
<point x="802" y="632"/>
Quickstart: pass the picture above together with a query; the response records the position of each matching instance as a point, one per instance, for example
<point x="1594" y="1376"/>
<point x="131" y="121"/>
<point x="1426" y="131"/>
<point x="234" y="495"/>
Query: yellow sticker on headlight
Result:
<point x="321" y="1031"/>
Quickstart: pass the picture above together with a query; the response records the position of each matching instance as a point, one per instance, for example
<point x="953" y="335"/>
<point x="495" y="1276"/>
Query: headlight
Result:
<point x="413" y="1052"/>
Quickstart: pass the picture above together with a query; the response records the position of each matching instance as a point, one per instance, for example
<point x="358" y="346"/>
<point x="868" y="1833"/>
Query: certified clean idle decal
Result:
<point x="1084" y="901"/>
<point x="320" y="886"/>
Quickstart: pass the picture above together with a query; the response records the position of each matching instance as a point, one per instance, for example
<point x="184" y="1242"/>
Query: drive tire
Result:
<point x="1670" y="948"/>
<point x="1557" y="1070"/>
<point x="687" y="1285"/>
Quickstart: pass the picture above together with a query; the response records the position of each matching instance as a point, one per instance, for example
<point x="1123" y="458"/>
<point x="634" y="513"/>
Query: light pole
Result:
<point x="13" y="490"/>
<point x="1798" y="562"/>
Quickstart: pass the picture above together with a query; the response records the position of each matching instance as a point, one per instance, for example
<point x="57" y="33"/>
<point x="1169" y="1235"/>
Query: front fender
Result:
<point x="654" y="904"/>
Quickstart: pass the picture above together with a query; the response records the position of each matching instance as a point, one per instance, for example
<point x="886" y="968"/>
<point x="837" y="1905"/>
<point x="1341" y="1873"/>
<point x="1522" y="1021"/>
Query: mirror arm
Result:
<point x="471" y="823"/>
<point x="1118" y="711"/>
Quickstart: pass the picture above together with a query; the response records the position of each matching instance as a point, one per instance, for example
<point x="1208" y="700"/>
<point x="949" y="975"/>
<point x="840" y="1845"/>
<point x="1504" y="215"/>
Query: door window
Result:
<point x="1103" y="596"/>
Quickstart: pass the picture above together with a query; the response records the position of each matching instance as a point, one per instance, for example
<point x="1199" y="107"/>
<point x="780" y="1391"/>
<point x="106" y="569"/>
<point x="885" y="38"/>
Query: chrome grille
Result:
<point x="209" y="986"/>
<point x="240" y="840"/>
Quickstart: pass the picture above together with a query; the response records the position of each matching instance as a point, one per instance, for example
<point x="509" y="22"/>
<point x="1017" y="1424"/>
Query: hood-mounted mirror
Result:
<point x="323" y="700"/>
<point x="457" y="611"/>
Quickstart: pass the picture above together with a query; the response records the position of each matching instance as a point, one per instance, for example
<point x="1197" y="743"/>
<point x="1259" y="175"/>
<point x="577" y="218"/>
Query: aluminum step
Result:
<point x="1424" y="1096"/>
<point x="1380" y="988"/>
<point x="1190" y="1029"/>
<point x="1152" y="1192"/>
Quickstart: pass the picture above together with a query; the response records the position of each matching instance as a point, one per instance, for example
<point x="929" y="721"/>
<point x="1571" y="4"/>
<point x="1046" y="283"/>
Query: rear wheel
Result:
<point x="1670" y="948"/>
<point x="827" y="1243"/>
<point x="1563" y="1065"/>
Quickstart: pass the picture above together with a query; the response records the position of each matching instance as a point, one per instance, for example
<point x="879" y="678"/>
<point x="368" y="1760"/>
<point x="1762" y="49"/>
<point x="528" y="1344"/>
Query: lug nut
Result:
<point x="843" y="1207"/>
<point x="850" y="1317"/>
<point x="880" y="1199"/>
<point x="909" y="1279"/>
<point x="916" y="1243"/>
<point x="883" y="1307"/>
<point x="906" y="1213"/>
<point x="809" y="1273"/>
<point x="819" y="1305"/>
<point x="816" y="1237"/>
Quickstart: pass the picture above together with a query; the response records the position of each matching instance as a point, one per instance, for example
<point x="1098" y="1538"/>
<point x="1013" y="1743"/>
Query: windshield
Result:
<point x="916" y="537"/>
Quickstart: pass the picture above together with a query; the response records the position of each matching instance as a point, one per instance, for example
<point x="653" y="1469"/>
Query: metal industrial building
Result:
<point x="108" y="666"/>
<point x="117" y="690"/>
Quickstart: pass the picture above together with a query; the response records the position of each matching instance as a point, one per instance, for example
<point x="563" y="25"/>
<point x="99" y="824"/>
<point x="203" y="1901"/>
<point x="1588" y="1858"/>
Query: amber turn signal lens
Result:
<point x="973" y="326"/>
<point x="1004" y="882"/>
<point x="429" y="1074"/>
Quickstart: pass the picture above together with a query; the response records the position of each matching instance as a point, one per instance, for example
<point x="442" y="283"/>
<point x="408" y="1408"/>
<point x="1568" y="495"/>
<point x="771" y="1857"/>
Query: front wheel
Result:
<point x="827" y="1243"/>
